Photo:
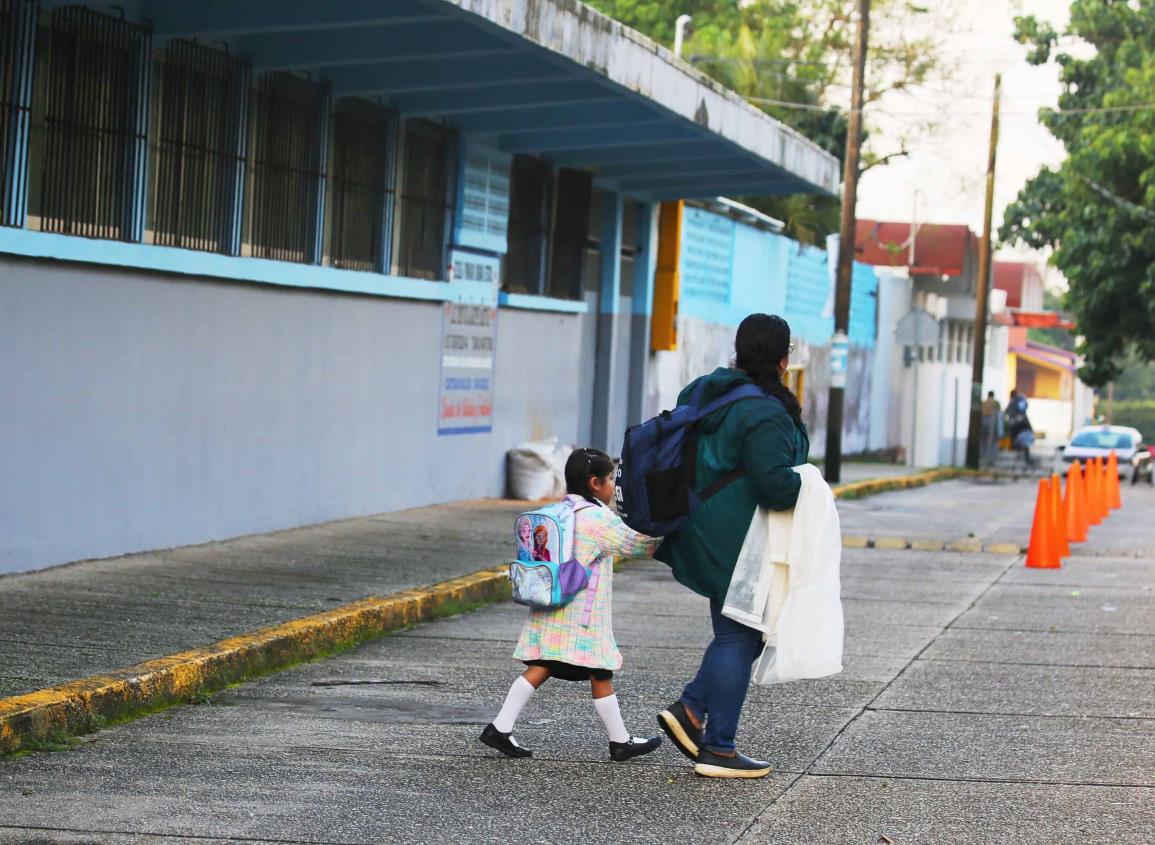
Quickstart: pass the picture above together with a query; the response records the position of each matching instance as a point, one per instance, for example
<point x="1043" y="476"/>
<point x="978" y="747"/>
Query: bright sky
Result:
<point x="942" y="180"/>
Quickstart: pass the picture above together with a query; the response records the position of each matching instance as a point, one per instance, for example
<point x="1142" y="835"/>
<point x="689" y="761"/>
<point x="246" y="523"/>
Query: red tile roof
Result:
<point x="939" y="248"/>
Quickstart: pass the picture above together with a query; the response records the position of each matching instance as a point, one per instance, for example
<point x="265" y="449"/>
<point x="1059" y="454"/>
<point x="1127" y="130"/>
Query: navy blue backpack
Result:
<point x="655" y="478"/>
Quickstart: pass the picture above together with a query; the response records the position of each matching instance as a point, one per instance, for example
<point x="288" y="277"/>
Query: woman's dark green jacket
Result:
<point x="758" y="435"/>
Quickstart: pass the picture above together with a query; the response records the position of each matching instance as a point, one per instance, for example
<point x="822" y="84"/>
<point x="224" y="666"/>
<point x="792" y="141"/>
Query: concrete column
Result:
<point x="609" y="298"/>
<point x="644" y="266"/>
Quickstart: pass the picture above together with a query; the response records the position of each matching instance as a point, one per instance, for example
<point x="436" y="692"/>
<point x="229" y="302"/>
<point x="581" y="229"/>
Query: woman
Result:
<point x="764" y="438"/>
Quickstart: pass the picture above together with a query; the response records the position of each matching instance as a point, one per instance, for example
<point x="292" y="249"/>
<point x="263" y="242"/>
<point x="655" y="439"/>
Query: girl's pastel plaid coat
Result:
<point x="600" y="537"/>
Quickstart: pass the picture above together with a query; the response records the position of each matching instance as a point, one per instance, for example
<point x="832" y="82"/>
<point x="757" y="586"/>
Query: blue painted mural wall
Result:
<point x="730" y="269"/>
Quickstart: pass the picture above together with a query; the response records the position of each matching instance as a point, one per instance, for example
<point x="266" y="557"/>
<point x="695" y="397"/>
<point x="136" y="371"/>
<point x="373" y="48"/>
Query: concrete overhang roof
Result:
<point x="552" y="78"/>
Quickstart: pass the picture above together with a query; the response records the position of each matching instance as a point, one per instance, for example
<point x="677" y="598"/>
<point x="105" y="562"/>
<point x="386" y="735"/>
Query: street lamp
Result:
<point x="680" y="33"/>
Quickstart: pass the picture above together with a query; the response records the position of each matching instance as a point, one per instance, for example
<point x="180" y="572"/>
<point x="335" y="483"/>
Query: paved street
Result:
<point x="980" y="703"/>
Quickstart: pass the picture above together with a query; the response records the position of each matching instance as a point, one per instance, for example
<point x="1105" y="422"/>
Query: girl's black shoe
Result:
<point x="505" y="743"/>
<point x="635" y="747"/>
<point x="676" y="723"/>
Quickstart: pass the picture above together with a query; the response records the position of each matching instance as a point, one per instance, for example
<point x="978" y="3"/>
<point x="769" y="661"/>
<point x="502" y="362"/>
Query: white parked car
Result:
<point x="1098" y="441"/>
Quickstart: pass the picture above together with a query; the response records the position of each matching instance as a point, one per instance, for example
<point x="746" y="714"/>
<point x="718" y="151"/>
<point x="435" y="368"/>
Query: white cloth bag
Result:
<point x="786" y="585"/>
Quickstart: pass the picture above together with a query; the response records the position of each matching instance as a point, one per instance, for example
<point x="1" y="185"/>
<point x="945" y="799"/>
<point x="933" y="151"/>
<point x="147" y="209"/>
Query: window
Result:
<point x="360" y="185"/>
<point x="529" y="222"/>
<point x="199" y="148"/>
<point x="89" y="124"/>
<point x="570" y="233"/>
<point x="16" y="43"/>
<point x="425" y="205"/>
<point x="289" y="130"/>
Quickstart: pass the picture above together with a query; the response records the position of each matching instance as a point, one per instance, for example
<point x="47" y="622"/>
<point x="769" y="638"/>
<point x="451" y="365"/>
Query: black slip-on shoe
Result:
<point x="711" y="765"/>
<point x="505" y="743"/>
<point x="635" y="747"/>
<point x="676" y="724"/>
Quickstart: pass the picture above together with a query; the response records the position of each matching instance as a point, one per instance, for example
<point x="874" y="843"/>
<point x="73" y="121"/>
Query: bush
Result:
<point x="1138" y="413"/>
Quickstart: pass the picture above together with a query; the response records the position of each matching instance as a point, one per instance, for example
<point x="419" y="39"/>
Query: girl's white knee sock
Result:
<point x="519" y="694"/>
<point x="612" y="718"/>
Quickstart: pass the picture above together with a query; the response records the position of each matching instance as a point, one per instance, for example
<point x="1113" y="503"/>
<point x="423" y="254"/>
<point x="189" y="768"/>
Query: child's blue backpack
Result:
<point x="545" y="573"/>
<point x="655" y="477"/>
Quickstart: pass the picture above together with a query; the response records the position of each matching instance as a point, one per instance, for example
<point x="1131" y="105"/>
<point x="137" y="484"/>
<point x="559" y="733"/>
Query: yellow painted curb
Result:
<point x="891" y="543"/>
<point x="964" y="546"/>
<point x="852" y="542"/>
<point x="858" y="489"/>
<point x="1004" y="549"/>
<point x="928" y="545"/>
<point x="49" y="715"/>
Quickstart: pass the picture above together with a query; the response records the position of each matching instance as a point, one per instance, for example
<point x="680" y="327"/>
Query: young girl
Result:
<point x="554" y="643"/>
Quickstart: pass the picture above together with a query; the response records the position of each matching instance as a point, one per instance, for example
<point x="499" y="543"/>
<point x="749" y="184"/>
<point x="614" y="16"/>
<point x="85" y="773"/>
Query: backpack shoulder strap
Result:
<point x="737" y="394"/>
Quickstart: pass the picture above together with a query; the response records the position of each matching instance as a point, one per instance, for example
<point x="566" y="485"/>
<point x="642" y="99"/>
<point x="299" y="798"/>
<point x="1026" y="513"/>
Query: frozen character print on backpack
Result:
<point x="569" y="633"/>
<point x="524" y="539"/>
<point x="541" y="540"/>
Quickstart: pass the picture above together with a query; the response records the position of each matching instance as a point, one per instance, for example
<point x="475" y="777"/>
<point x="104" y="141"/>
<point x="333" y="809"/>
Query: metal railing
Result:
<point x="94" y="71"/>
<point x="198" y="149"/>
<point x="289" y="134"/>
<point x="359" y="185"/>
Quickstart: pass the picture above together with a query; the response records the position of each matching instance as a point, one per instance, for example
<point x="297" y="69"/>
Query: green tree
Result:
<point x="792" y="59"/>
<point x="1097" y="210"/>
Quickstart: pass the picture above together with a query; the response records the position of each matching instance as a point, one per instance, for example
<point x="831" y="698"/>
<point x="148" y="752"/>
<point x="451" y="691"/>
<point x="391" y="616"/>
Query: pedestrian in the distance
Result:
<point x="1019" y="427"/>
<point x="992" y="427"/>
<point x="763" y="439"/>
<point x="555" y="643"/>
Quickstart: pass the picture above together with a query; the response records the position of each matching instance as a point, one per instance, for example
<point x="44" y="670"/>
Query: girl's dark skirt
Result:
<point x="569" y="672"/>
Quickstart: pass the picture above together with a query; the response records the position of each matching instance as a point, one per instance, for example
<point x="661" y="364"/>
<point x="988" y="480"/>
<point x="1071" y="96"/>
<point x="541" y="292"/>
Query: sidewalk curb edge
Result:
<point x="49" y="715"/>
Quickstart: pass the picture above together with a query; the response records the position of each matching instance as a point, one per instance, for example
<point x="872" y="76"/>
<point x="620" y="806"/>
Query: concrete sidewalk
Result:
<point x="92" y="617"/>
<point x="980" y="703"/>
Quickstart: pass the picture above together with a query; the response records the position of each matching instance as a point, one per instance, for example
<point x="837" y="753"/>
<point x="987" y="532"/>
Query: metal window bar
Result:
<point x="528" y="229"/>
<point x="17" y="52"/>
<point x="198" y="147"/>
<point x="360" y="185"/>
<point x="94" y="124"/>
<point x="289" y="133"/>
<point x="425" y="201"/>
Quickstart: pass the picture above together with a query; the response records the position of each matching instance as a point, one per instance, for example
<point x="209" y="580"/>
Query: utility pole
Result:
<point x="839" y="344"/>
<point x="974" y="432"/>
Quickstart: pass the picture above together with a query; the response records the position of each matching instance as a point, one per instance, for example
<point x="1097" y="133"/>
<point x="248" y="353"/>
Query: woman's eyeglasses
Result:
<point x="791" y="348"/>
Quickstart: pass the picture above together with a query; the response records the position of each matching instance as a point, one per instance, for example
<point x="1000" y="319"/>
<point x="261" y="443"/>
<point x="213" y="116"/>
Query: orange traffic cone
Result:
<point x="1074" y="505"/>
<point x="1059" y="517"/>
<point x="1104" y="494"/>
<point x="1041" y="553"/>
<point x="1093" y="485"/>
<point x="1114" y="496"/>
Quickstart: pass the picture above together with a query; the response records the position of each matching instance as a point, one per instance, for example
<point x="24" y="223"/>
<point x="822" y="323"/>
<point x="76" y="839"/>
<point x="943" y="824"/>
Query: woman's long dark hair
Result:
<point x="584" y="464"/>
<point x="762" y="341"/>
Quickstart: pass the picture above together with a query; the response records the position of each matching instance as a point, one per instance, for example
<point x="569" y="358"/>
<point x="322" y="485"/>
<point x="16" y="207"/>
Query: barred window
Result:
<point x="530" y="210"/>
<point x="89" y="124"/>
<point x="201" y="98"/>
<point x="16" y="43"/>
<point x="360" y="185"/>
<point x="570" y="233"/>
<point x="425" y="207"/>
<point x="289" y="133"/>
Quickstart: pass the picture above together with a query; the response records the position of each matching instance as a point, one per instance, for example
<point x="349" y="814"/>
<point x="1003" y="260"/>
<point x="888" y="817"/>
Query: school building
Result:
<point x="272" y="263"/>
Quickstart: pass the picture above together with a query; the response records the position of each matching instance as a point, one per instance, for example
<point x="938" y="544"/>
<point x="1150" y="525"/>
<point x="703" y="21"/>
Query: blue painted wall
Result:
<point x="730" y="270"/>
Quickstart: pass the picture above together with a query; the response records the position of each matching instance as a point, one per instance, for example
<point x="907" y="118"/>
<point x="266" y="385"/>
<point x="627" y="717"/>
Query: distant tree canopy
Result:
<point x="796" y="52"/>
<point x="1097" y="210"/>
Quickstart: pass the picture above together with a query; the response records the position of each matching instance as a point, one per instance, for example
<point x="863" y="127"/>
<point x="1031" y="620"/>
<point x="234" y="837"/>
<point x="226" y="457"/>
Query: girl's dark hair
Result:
<point x="584" y="464"/>
<point x="762" y="341"/>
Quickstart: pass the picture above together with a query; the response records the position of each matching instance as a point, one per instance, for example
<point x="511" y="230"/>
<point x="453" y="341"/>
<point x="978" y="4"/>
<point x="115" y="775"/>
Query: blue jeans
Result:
<point x="718" y="691"/>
